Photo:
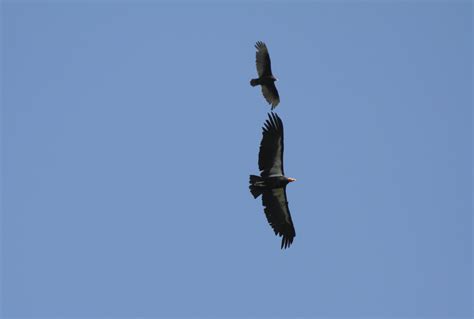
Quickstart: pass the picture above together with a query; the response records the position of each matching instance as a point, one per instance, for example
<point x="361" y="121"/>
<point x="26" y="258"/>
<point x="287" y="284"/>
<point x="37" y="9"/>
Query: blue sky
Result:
<point x="129" y="130"/>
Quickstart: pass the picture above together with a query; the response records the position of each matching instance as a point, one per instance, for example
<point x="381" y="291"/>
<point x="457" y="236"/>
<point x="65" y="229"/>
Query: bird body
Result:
<point x="264" y="80"/>
<point x="259" y="184"/>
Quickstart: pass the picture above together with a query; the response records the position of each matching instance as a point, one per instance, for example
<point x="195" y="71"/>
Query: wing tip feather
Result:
<point x="260" y="45"/>
<point x="286" y="241"/>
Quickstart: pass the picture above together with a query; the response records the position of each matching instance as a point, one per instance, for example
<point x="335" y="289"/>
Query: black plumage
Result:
<point x="265" y="77"/>
<point x="271" y="183"/>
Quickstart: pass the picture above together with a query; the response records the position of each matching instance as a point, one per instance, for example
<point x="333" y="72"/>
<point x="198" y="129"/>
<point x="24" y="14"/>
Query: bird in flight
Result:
<point x="271" y="183"/>
<point x="265" y="77"/>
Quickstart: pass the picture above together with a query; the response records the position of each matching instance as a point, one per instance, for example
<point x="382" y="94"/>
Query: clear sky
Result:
<point x="129" y="130"/>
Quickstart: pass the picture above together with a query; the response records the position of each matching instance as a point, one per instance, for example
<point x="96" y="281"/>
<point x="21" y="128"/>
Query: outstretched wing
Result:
<point x="278" y="215"/>
<point x="264" y="65"/>
<point x="270" y="156"/>
<point x="270" y="93"/>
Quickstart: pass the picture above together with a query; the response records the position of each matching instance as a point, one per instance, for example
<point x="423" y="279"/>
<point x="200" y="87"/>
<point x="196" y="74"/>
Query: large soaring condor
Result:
<point x="271" y="183"/>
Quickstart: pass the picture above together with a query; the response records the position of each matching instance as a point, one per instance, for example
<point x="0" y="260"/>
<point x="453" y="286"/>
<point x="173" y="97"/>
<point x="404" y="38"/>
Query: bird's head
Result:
<point x="274" y="78"/>
<point x="290" y="179"/>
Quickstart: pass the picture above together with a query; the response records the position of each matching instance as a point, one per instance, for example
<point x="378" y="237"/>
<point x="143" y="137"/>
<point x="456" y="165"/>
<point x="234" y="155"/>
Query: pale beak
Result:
<point x="291" y="180"/>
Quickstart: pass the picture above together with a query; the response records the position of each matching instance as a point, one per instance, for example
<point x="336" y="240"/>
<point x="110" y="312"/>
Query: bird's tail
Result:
<point x="255" y="188"/>
<point x="254" y="82"/>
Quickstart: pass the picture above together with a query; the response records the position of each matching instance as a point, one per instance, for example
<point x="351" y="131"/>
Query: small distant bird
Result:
<point x="265" y="76"/>
<point x="271" y="183"/>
